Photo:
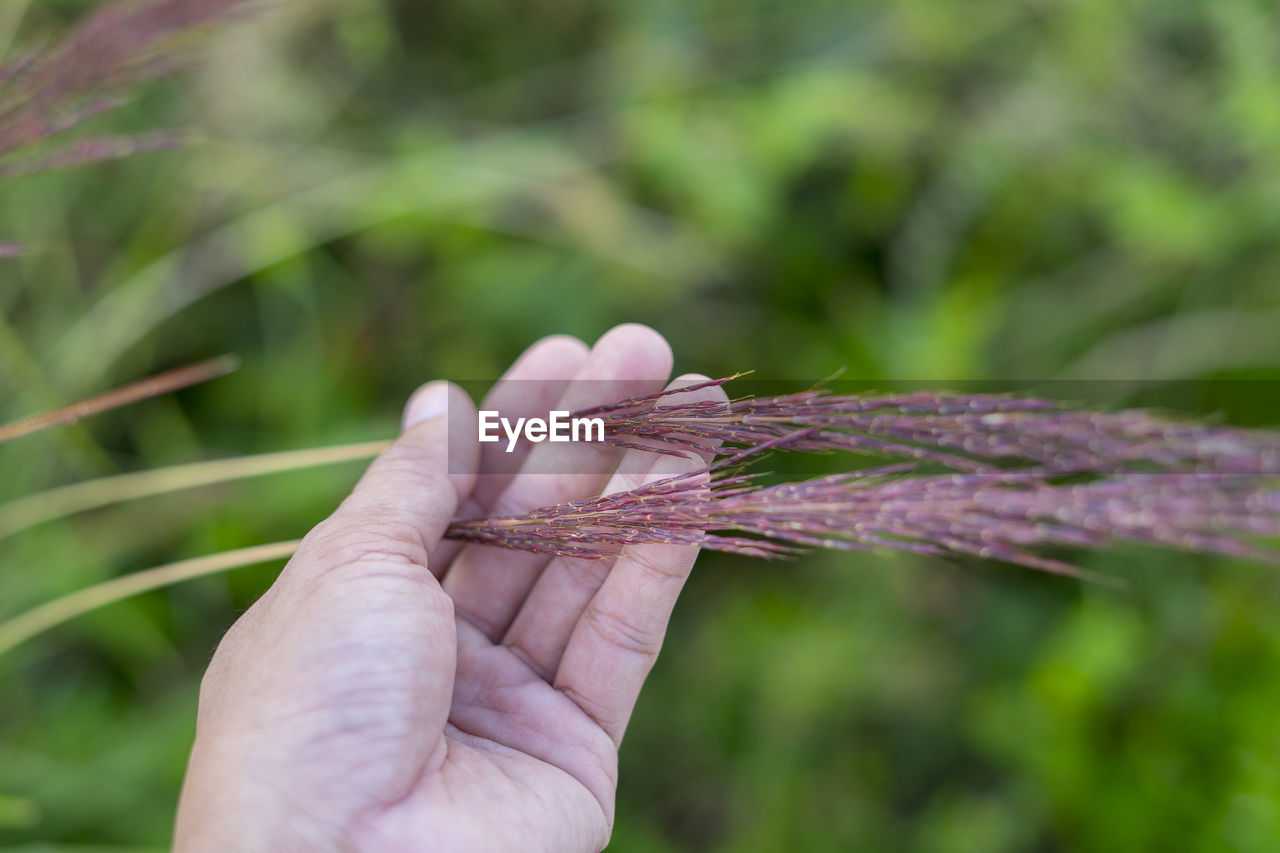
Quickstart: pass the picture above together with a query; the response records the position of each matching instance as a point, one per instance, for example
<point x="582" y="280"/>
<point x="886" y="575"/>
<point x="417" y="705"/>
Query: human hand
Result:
<point x="395" y="692"/>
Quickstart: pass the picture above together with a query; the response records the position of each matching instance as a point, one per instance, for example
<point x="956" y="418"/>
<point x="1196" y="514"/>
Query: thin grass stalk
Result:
<point x="30" y="510"/>
<point x="94" y="149"/>
<point x="154" y="386"/>
<point x="21" y="628"/>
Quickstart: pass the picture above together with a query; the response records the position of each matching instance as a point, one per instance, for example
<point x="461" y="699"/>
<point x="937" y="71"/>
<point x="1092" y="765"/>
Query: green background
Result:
<point x="932" y="190"/>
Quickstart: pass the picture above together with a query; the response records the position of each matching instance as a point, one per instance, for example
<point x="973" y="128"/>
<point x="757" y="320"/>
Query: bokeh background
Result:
<point x="391" y="191"/>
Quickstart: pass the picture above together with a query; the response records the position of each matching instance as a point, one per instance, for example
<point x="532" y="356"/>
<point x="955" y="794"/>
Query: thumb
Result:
<point x="402" y="505"/>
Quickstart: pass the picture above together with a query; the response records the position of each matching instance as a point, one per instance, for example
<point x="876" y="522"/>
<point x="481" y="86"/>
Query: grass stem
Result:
<point x="36" y="621"/>
<point x="30" y="510"/>
<point x="154" y="386"/>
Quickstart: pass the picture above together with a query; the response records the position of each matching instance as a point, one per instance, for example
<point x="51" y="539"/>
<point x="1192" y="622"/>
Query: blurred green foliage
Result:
<point x="393" y="191"/>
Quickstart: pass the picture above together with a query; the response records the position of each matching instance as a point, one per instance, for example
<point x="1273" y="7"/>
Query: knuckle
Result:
<point x="597" y="710"/>
<point x="663" y="562"/>
<point x="406" y="457"/>
<point x="623" y="633"/>
<point x="367" y="535"/>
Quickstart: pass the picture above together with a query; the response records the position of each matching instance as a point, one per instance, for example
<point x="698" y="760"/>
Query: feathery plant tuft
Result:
<point x="92" y="70"/>
<point x="993" y="516"/>
<point x="1149" y="480"/>
<point x="963" y="432"/>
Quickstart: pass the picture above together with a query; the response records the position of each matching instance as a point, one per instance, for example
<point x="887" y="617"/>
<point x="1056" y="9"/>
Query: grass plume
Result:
<point x="93" y="69"/>
<point x="1010" y="516"/>
<point x="1030" y="475"/>
<point x="963" y="432"/>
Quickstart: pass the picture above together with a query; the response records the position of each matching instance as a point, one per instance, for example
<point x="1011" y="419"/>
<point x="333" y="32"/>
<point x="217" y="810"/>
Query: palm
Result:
<point x="556" y="794"/>
<point x="506" y="754"/>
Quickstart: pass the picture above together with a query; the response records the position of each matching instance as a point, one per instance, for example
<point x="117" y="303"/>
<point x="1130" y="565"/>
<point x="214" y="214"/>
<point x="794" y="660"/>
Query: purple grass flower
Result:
<point x="1030" y="475"/>
<point x="964" y="432"/>
<point x="91" y="70"/>
<point x="1004" y="516"/>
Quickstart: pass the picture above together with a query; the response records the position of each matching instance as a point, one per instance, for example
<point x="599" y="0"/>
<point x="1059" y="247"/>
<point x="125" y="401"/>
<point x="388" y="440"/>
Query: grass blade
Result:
<point x="155" y="386"/>
<point x="30" y="510"/>
<point x="23" y="627"/>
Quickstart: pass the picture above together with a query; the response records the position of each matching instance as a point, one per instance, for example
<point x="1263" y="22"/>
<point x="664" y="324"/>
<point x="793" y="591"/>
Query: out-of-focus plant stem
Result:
<point x="30" y="510"/>
<point x="154" y="386"/>
<point x="27" y="625"/>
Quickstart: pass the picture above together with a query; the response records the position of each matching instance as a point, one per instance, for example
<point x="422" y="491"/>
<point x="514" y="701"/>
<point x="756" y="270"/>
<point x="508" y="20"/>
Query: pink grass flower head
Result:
<point x="1027" y="475"/>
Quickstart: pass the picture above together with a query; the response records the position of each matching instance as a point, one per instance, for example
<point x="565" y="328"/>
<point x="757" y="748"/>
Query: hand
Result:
<point x="395" y="692"/>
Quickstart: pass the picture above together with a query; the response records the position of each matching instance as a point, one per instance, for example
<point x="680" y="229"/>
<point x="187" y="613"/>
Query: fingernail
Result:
<point x="429" y="401"/>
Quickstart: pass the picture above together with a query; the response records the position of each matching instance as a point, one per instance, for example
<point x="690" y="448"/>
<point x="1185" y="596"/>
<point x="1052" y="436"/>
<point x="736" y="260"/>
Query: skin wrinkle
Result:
<point x="586" y="706"/>
<point x="334" y="548"/>
<point x="391" y="523"/>
<point x="526" y="658"/>
<point x="482" y="748"/>
<point x="326" y="734"/>
<point x="657" y="568"/>
<point x="485" y="697"/>
<point x="622" y="634"/>
<point x="482" y="744"/>
<point x="589" y="575"/>
<point x="475" y="621"/>
<point x="434" y="762"/>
